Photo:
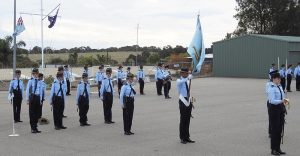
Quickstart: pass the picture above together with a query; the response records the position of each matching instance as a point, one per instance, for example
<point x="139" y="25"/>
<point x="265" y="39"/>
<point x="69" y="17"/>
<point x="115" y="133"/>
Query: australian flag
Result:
<point x="52" y="19"/>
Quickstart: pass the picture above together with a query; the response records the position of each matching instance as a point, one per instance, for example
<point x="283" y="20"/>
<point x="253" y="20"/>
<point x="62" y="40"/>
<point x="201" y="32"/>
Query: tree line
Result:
<point x="269" y="17"/>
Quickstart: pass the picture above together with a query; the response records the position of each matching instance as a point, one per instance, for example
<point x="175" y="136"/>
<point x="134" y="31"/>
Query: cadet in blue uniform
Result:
<point x="268" y="104"/>
<point x="167" y="82"/>
<point x="140" y="76"/>
<point x="289" y="76"/>
<point x="297" y="77"/>
<point x="99" y="77"/>
<point x="159" y="76"/>
<point x="64" y="83"/>
<point x="34" y="99"/>
<point x="107" y="94"/>
<point x="86" y="70"/>
<point x="120" y="77"/>
<point x="127" y="103"/>
<point x="57" y="100"/>
<point x="16" y="89"/>
<point x="282" y="76"/>
<point x="184" y="105"/>
<point x="272" y="69"/>
<point x="41" y="79"/>
<point x="276" y="98"/>
<point x="67" y="77"/>
<point x="82" y="99"/>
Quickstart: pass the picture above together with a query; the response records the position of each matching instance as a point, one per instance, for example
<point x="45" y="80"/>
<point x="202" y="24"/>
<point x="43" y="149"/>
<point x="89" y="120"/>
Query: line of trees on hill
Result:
<point x="149" y="56"/>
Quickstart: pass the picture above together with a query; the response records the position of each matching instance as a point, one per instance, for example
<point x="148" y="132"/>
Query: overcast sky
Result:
<point x="112" y="23"/>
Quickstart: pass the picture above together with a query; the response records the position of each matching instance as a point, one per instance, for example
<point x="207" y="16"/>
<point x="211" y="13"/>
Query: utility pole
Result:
<point x="137" y="44"/>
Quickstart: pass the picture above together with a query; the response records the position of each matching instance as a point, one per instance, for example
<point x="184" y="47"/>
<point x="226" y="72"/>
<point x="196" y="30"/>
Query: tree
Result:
<point x="6" y="50"/>
<point x="36" y="50"/>
<point x="73" y="59"/>
<point x="279" y="17"/>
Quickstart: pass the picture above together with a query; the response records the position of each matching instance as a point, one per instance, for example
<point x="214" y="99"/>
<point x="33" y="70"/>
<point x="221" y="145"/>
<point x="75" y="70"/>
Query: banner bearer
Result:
<point x="185" y="106"/>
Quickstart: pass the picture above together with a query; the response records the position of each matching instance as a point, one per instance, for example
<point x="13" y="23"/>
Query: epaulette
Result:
<point x="31" y="78"/>
<point x="79" y="82"/>
<point x="55" y="82"/>
<point x="104" y="78"/>
<point x="272" y="85"/>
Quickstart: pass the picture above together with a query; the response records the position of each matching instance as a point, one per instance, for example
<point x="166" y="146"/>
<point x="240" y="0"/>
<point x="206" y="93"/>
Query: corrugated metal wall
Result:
<point x="248" y="56"/>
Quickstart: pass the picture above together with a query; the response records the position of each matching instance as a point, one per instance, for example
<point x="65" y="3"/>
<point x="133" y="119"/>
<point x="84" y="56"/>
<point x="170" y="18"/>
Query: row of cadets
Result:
<point x="34" y="99"/>
<point x="127" y="103"/>
<point x="159" y="76"/>
<point x="120" y="78"/>
<point x="57" y="101"/>
<point x="106" y="95"/>
<point x="99" y="77"/>
<point x="140" y="76"/>
<point x="185" y="105"/>
<point x="167" y="81"/>
<point x="15" y="95"/>
<point x="67" y="77"/>
<point x="82" y="99"/>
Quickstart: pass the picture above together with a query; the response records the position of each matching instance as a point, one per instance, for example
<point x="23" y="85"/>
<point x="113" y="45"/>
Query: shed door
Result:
<point x="294" y="57"/>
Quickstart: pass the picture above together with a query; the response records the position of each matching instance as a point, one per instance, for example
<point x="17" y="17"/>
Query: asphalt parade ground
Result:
<point x="230" y="119"/>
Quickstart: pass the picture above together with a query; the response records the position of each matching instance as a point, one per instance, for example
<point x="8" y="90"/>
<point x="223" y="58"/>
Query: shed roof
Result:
<point x="273" y="37"/>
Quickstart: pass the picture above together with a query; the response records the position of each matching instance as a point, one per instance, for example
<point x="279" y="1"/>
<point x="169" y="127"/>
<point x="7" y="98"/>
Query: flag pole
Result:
<point x="278" y="63"/>
<point x="14" y="131"/>
<point x="42" y="36"/>
<point x="15" y="42"/>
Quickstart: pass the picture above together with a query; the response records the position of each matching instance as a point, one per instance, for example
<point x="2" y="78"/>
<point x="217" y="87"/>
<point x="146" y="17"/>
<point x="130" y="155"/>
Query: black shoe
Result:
<point x="159" y="94"/>
<point x="183" y="141"/>
<point x="63" y="127"/>
<point x="68" y="94"/>
<point x="57" y="128"/>
<point x="37" y="131"/>
<point x="87" y="124"/>
<point x="111" y="122"/>
<point x="273" y="152"/>
<point x="64" y="116"/>
<point x="33" y="131"/>
<point x="127" y="133"/>
<point x="281" y="152"/>
<point x="107" y="122"/>
<point x="131" y="133"/>
<point x="81" y="124"/>
<point x="168" y="97"/>
<point x="190" y="141"/>
<point x="18" y="121"/>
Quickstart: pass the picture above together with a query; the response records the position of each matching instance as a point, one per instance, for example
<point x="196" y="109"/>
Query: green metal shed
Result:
<point x="252" y="55"/>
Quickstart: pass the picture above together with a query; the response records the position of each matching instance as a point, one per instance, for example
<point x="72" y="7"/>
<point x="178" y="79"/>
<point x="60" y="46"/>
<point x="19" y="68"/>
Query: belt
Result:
<point x="129" y="96"/>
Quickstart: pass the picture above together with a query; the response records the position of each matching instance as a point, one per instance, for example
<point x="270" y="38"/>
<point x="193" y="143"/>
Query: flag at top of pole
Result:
<point x="19" y="27"/>
<point x="52" y="19"/>
<point x="196" y="49"/>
